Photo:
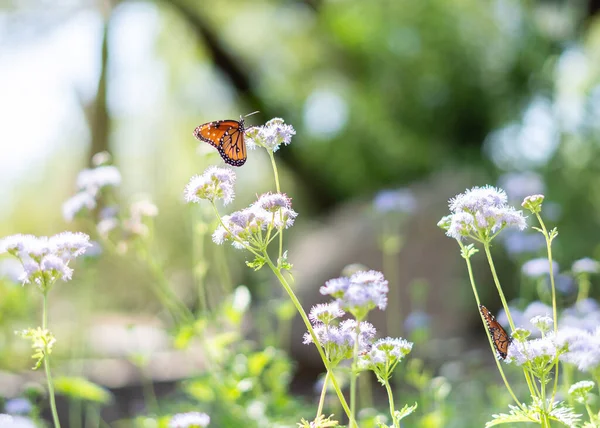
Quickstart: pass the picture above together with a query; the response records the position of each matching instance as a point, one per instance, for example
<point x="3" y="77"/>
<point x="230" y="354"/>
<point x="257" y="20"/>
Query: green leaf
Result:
<point x="257" y="263"/>
<point x="404" y="412"/>
<point x="82" y="389"/>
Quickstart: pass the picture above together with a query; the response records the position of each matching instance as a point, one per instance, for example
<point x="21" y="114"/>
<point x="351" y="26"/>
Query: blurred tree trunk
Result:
<point x="230" y="65"/>
<point x="99" y="118"/>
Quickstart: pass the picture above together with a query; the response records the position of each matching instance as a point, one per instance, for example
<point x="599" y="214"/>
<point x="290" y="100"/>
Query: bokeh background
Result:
<point x="428" y="96"/>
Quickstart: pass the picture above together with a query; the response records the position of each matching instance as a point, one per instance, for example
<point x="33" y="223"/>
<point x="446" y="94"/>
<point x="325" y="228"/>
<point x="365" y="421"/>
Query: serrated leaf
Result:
<point x="405" y="411"/>
<point x="257" y="263"/>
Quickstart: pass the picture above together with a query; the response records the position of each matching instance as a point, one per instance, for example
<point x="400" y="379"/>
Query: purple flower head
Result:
<point x="360" y="293"/>
<point x="93" y="180"/>
<point x="536" y="351"/>
<point x="582" y="348"/>
<point x="277" y="208"/>
<point x="395" y="201"/>
<point x="325" y="313"/>
<point x="517" y="243"/>
<point x="215" y="183"/>
<point x="518" y="185"/>
<point x="80" y="202"/>
<point x="271" y="135"/>
<point x="539" y="267"/>
<point x="585" y="265"/>
<point x="384" y="355"/>
<point x="335" y="287"/>
<point x="480" y="213"/>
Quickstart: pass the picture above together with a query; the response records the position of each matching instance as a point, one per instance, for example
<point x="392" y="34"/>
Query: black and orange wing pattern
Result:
<point x="227" y="136"/>
<point x="500" y="337"/>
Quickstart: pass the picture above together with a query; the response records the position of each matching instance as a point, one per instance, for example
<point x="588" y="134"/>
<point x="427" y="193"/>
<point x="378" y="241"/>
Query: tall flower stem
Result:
<point x="323" y="394"/>
<point x="550" y="262"/>
<point x="486" y="246"/>
<point x="476" y="294"/>
<point x="554" y="310"/>
<point x="391" y="400"/>
<point x="47" y="363"/>
<point x="311" y="331"/>
<point x="276" y="174"/>
<point x="354" y="372"/>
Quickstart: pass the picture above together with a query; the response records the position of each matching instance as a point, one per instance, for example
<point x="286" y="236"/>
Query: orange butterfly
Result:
<point x="500" y="337"/>
<point x="227" y="136"/>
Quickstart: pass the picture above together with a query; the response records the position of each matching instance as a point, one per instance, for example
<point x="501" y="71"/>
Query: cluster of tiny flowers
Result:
<point x="338" y="341"/>
<point x="189" y="420"/>
<point x="539" y="352"/>
<point x="214" y="184"/>
<point x="535" y="268"/>
<point x="384" y="355"/>
<point x="479" y="212"/>
<point x="361" y="292"/>
<point x="584" y="315"/>
<point x="395" y="201"/>
<point x="9" y="421"/>
<point x="325" y="313"/>
<point x="45" y="259"/>
<point x="581" y="390"/>
<point x="90" y="183"/>
<point x="271" y="210"/>
<point x="585" y="265"/>
<point x="582" y="348"/>
<point x="271" y="135"/>
<point x="523" y="318"/>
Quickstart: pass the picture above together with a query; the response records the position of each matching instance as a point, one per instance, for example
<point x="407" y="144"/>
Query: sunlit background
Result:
<point x="429" y="97"/>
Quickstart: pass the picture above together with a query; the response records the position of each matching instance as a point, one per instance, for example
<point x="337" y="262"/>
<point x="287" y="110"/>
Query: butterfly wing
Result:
<point x="233" y="147"/>
<point x="500" y="337"/>
<point x="227" y="136"/>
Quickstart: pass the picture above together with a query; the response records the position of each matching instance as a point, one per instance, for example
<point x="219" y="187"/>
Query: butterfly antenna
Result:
<point x="254" y="112"/>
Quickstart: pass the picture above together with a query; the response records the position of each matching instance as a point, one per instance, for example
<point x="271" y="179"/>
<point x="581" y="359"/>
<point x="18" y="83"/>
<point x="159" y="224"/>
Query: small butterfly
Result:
<point x="500" y="337"/>
<point x="227" y="136"/>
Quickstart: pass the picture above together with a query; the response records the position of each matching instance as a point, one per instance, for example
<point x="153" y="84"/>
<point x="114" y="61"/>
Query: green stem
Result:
<point x="584" y="287"/>
<point x="311" y="331"/>
<point x="323" y="394"/>
<point x="476" y="294"/>
<point x="391" y="400"/>
<point x="276" y="174"/>
<point x="47" y="364"/>
<point x="554" y="310"/>
<point x="353" y="371"/>
<point x="486" y="246"/>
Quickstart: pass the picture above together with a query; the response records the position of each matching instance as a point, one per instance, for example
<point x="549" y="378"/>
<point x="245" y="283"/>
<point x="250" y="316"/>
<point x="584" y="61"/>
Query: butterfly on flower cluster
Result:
<point x="227" y="136"/>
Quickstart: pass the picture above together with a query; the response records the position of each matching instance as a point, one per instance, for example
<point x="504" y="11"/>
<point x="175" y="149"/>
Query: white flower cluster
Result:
<point x="45" y="259"/>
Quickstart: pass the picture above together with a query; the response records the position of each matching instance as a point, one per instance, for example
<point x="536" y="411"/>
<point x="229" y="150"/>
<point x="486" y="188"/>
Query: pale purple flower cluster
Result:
<point x="271" y="135"/>
<point x="45" y="259"/>
<point x="325" y="313"/>
<point x="479" y="213"/>
<point x="90" y="183"/>
<point x="271" y="210"/>
<point x="523" y="318"/>
<point x="384" y="355"/>
<point x="584" y="314"/>
<point x="539" y="351"/>
<point x="535" y="268"/>
<point x="363" y="291"/>
<point x="9" y="421"/>
<point x="521" y="184"/>
<point x="395" y="201"/>
<point x="189" y="420"/>
<point x="585" y="265"/>
<point x="582" y="348"/>
<point x="215" y="183"/>
<point x="338" y="340"/>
